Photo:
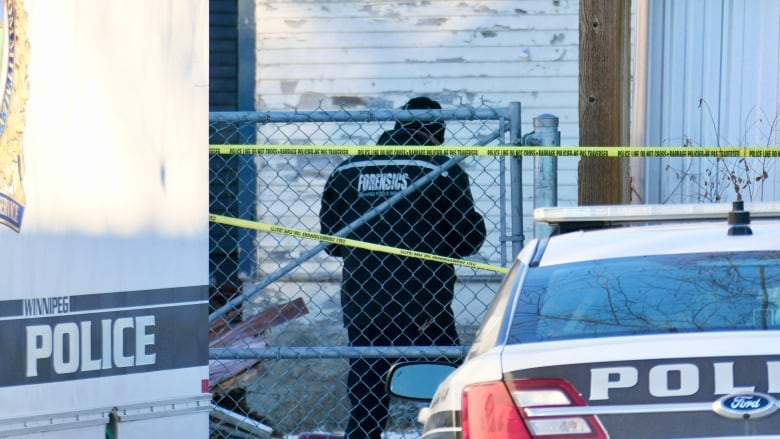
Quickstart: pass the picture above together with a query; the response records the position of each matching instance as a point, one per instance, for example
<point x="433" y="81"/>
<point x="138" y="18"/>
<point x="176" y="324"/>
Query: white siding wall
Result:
<point x="712" y="81"/>
<point x="360" y="54"/>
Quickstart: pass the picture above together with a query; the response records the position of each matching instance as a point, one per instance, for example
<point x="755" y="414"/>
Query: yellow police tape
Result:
<point x="557" y="151"/>
<point x="264" y="227"/>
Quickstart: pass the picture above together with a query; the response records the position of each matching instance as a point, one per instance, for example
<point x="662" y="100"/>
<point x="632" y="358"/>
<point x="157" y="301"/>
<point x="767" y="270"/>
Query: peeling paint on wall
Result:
<point x="558" y="38"/>
<point x="295" y="24"/>
<point x="362" y="54"/>
<point x="288" y="86"/>
<point x="431" y="21"/>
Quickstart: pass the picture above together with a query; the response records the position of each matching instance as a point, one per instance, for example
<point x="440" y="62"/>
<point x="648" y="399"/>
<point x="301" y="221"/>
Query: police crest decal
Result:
<point x="14" y="56"/>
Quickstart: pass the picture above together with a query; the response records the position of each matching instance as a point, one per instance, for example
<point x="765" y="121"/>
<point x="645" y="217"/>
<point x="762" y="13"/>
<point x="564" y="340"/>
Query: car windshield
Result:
<point x="649" y="295"/>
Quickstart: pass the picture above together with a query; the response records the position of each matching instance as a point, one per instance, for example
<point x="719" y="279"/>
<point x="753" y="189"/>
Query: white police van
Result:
<point x="628" y="322"/>
<point x="104" y="237"/>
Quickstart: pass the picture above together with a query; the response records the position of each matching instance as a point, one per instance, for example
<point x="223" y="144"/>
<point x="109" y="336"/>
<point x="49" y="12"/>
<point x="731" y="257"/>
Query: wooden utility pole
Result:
<point x="605" y="54"/>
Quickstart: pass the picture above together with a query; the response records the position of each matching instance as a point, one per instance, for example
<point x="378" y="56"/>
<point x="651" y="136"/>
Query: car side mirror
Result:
<point x="417" y="381"/>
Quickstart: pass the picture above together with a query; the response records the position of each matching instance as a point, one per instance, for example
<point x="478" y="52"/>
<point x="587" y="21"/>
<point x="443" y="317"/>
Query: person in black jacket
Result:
<point x="391" y="300"/>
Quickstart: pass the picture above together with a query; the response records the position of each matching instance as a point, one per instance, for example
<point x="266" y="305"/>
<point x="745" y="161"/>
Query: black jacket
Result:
<point x="440" y="218"/>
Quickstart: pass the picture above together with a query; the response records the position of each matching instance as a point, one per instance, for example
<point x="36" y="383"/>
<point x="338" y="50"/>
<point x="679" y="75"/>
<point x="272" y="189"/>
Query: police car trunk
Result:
<point x="640" y="322"/>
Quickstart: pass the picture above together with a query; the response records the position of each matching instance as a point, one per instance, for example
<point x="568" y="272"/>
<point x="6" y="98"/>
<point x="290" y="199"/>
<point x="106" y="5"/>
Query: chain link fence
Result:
<point x="279" y="351"/>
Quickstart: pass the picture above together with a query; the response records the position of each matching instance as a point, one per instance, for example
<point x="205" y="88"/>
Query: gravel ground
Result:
<point x="310" y="395"/>
<point x="296" y="396"/>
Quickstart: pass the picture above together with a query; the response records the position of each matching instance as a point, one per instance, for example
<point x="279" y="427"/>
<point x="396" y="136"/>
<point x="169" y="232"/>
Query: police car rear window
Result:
<point x="649" y="295"/>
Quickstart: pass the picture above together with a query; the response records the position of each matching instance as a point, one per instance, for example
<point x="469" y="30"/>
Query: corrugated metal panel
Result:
<point x="232" y="179"/>
<point x="712" y="81"/>
<point x="377" y="54"/>
<point x="223" y="96"/>
<point x="223" y="55"/>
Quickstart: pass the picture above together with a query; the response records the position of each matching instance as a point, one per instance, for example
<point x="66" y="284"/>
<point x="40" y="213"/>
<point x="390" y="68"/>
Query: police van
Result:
<point x="642" y="321"/>
<point x="104" y="234"/>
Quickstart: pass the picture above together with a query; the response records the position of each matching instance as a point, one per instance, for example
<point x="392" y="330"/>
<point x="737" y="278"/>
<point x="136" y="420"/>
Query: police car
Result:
<point x="627" y="322"/>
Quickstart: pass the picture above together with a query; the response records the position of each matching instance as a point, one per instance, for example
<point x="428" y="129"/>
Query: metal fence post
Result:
<point x="247" y="205"/>
<point x="545" y="167"/>
<point x="516" y="174"/>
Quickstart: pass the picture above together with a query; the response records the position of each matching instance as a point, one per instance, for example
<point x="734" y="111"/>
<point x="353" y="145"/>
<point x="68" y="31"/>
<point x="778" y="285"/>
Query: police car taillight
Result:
<point x="514" y="409"/>
<point x="489" y="411"/>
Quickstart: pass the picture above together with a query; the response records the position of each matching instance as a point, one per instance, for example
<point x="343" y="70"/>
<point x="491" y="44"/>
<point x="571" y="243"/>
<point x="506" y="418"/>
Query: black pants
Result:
<point x="366" y="379"/>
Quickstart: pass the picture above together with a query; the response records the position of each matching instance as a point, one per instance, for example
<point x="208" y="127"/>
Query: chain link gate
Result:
<point x="278" y="349"/>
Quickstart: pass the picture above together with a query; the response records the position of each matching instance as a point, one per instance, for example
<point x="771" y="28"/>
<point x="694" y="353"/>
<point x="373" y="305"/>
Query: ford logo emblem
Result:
<point x="745" y="405"/>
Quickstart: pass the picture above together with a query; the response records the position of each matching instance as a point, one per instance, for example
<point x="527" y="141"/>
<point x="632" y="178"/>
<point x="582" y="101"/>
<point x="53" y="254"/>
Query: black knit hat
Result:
<point x="424" y="103"/>
<point x="421" y="103"/>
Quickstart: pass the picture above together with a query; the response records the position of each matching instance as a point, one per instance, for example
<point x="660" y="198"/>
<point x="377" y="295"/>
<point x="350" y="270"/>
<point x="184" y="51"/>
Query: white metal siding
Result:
<point x="712" y="81"/>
